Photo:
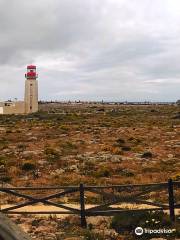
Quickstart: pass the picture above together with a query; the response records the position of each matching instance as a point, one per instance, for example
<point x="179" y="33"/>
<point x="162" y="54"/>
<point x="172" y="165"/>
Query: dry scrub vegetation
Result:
<point x="94" y="144"/>
<point x="65" y="144"/>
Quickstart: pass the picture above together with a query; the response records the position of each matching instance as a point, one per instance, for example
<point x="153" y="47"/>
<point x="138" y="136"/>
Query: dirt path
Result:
<point x="46" y="208"/>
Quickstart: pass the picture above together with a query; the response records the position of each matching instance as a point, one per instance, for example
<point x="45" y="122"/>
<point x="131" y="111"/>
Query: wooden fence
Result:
<point x="111" y="196"/>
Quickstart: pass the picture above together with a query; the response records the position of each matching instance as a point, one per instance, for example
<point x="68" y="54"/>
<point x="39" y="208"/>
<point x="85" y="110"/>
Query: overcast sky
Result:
<point x="92" y="49"/>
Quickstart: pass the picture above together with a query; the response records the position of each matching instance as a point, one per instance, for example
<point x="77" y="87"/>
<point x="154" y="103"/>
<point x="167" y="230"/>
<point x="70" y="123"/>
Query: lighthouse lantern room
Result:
<point x="31" y="72"/>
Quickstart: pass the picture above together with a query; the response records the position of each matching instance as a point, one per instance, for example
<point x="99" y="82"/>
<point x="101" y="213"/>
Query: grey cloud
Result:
<point x="91" y="49"/>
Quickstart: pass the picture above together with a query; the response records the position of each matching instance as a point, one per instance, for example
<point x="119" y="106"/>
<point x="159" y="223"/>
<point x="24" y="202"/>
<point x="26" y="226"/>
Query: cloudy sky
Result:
<point x="92" y="49"/>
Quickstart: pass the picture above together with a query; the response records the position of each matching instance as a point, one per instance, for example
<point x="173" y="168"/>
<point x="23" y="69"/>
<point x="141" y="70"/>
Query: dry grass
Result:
<point x="102" y="146"/>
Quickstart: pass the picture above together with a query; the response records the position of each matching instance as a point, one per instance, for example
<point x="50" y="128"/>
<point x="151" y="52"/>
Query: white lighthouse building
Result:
<point x="31" y="90"/>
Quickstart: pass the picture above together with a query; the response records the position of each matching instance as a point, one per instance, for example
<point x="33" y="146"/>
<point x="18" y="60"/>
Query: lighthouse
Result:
<point x="31" y="90"/>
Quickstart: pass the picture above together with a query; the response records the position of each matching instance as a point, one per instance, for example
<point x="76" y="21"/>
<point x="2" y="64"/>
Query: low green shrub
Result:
<point x="147" y="155"/>
<point x="21" y="146"/>
<point x="51" y="154"/>
<point x="3" y="160"/>
<point x="103" y="172"/>
<point x="88" y="235"/>
<point x="28" y="166"/>
<point x="6" y="179"/>
<point x="126" y="148"/>
<point x="128" y="221"/>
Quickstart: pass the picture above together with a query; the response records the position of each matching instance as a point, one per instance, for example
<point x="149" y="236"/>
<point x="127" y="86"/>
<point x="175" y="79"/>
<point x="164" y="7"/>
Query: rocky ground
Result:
<point x="51" y="228"/>
<point x="91" y="144"/>
<point x="68" y="228"/>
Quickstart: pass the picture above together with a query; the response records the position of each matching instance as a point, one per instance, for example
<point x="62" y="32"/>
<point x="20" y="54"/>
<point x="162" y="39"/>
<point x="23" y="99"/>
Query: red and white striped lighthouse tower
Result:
<point x="31" y="90"/>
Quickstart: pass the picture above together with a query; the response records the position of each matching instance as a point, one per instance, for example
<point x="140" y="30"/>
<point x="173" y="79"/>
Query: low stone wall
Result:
<point x="15" y="108"/>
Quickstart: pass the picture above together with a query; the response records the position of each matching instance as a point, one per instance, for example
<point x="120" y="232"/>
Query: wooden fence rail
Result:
<point x="111" y="195"/>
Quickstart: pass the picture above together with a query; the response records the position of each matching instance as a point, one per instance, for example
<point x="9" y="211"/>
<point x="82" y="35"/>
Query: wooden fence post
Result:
<point x="171" y="200"/>
<point x="82" y="205"/>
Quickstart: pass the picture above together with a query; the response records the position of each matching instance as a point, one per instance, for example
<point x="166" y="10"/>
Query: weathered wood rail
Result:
<point x="111" y="195"/>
